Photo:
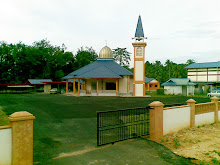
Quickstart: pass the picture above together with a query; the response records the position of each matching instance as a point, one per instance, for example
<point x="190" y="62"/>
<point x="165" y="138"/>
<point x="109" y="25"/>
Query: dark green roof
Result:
<point x="139" y="30"/>
<point x="204" y="65"/>
<point x="100" y="69"/>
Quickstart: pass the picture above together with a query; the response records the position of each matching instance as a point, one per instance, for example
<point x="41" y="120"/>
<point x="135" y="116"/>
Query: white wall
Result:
<point x="131" y="83"/>
<point x="138" y="89"/>
<point x="205" y="118"/>
<point x="139" y="71"/>
<point x="173" y="90"/>
<point x="5" y="146"/>
<point x="123" y="85"/>
<point x="219" y="115"/>
<point x="190" y="90"/>
<point x="176" y="119"/>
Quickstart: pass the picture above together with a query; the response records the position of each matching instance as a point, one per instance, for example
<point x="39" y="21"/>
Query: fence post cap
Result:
<point x="156" y="104"/>
<point x="214" y="98"/>
<point x="191" y="101"/>
<point x="22" y="115"/>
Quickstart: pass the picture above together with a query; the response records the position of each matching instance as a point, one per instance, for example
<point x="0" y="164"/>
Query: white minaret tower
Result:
<point x="139" y="62"/>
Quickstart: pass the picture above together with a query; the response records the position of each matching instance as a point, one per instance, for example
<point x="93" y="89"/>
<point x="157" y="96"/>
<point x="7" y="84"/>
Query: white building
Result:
<point x="204" y="75"/>
<point x="179" y="86"/>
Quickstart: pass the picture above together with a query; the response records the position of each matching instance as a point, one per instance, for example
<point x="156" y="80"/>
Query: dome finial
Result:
<point x="106" y="52"/>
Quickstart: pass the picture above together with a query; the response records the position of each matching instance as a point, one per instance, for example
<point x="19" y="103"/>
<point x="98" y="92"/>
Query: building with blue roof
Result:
<point x="204" y="75"/>
<point x="104" y="77"/>
<point x="179" y="86"/>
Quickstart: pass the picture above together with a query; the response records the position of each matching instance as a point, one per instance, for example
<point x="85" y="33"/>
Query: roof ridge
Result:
<point x="109" y="69"/>
<point x="119" y="65"/>
<point x="82" y="68"/>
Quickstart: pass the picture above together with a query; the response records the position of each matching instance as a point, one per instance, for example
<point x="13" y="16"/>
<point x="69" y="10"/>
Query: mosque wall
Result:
<point x="123" y="84"/>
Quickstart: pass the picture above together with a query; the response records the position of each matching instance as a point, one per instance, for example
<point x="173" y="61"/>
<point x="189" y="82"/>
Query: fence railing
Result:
<point x="114" y="126"/>
<point x="204" y="108"/>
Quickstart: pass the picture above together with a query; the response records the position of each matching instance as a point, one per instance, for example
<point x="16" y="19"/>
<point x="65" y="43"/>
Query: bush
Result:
<point x="160" y="91"/>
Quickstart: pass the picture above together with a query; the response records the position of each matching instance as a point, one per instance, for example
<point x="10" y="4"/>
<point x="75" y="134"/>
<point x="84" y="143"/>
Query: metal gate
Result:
<point x="119" y="125"/>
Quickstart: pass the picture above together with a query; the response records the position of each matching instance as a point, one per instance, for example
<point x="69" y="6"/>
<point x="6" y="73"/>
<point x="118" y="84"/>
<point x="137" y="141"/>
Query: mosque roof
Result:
<point x="139" y="30"/>
<point x="101" y="68"/>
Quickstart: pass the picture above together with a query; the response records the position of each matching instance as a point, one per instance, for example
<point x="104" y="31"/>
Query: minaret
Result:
<point x="139" y="65"/>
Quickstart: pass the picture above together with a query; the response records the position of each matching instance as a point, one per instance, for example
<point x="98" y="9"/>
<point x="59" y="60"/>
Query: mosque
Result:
<point x="105" y="77"/>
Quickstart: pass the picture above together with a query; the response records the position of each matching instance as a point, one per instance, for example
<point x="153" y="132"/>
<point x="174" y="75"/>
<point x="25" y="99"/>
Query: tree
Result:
<point x="122" y="56"/>
<point x="190" y="61"/>
<point x="85" y="56"/>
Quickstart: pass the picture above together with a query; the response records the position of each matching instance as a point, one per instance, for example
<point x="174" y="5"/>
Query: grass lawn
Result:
<point x="66" y="124"/>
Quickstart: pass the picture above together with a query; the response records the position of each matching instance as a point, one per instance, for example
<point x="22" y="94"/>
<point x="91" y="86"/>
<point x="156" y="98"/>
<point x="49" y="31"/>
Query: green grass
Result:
<point x="66" y="124"/>
<point x="3" y="118"/>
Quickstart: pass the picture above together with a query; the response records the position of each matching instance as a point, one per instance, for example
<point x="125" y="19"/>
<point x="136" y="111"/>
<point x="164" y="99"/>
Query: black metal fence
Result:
<point x="119" y="125"/>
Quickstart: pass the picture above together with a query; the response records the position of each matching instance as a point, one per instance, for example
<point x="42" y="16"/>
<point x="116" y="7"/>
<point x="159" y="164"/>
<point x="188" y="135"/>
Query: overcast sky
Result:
<point x="176" y="29"/>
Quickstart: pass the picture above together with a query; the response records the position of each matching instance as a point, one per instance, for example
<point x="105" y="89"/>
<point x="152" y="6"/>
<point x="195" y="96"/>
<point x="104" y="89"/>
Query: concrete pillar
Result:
<point x="156" y="120"/>
<point x="22" y="137"/>
<point x="67" y="86"/>
<point x="192" y="103"/>
<point x="215" y="100"/>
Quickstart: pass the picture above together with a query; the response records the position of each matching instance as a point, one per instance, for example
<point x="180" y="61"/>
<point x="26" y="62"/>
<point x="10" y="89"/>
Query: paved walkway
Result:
<point x="130" y="152"/>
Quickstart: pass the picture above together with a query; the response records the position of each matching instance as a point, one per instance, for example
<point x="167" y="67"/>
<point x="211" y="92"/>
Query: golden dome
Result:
<point x="105" y="52"/>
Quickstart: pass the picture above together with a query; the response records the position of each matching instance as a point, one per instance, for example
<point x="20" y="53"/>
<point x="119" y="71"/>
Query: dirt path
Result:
<point x="201" y="143"/>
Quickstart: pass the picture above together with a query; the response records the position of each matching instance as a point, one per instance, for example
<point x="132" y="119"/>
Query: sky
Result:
<point x="177" y="30"/>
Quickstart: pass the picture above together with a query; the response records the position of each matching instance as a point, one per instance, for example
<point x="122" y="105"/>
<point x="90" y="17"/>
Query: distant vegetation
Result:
<point x="163" y="72"/>
<point x="19" y="62"/>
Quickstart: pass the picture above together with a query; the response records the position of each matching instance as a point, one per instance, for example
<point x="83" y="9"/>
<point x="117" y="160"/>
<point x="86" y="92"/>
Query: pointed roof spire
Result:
<point x="139" y="30"/>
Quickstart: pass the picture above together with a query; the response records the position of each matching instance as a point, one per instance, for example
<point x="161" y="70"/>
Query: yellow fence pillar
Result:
<point x="22" y="137"/>
<point x="215" y="100"/>
<point x="192" y="103"/>
<point x="156" y="120"/>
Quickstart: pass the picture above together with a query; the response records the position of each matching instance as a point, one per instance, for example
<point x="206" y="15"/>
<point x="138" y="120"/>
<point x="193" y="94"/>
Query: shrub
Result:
<point x="160" y="91"/>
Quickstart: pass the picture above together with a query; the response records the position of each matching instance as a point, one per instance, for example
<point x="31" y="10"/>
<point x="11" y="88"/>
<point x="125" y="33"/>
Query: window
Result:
<point x="150" y="86"/>
<point x="155" y="86"/>
<point x="93" y="84"/>
<point x="110" y="86"/>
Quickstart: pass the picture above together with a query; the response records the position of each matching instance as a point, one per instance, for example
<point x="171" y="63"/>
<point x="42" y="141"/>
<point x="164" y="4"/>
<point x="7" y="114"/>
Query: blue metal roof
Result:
<point x="147" y="80"/>
<point x="139" y="30"/>
<point x="39" y="81"/>
<point x="99" y="72"/>
<point x="204" y="65"/>
<point x="100" y="69"/>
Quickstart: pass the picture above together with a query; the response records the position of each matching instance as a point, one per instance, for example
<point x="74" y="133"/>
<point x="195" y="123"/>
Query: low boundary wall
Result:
<point x="172" y="119"/>
<point x="6" y="145"/>
<point x="16" y="140"/>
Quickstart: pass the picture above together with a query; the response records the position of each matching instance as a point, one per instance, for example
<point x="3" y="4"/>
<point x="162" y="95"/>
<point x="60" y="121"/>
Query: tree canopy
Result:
<point x="122" y="56"/>
<point x="19" y="62"/>
<point x="164" y="72"/>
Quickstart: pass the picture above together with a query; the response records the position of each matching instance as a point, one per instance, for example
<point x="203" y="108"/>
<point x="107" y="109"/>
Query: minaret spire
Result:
<point x="139" y="30"/>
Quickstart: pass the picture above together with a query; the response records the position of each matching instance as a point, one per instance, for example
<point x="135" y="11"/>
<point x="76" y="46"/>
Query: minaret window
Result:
<point x="139" y="51"/>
